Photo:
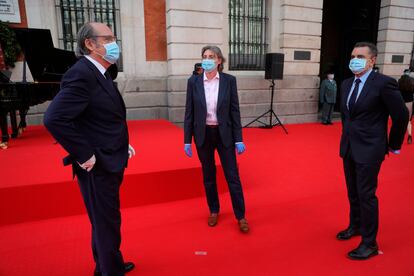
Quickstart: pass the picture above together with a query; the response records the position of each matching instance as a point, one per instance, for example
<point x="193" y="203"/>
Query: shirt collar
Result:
<point x="364" y="77"/>
<point x="217" y="76"/>
<point x="97" y="64"/>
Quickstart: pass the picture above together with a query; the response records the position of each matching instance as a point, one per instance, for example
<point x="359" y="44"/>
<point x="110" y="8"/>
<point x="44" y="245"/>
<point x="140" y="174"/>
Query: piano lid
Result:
<point x="46" y="63"/>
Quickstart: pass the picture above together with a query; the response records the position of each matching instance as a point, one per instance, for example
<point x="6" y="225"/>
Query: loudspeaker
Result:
<point x="274" y="66"/>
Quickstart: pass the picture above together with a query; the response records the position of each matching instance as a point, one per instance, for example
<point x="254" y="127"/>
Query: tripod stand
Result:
<point x="271" y="112"/>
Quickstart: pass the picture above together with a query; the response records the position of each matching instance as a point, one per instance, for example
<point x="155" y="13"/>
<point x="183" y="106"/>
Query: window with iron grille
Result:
<point x="247" y="31"/>
<point x="74" y="13"/>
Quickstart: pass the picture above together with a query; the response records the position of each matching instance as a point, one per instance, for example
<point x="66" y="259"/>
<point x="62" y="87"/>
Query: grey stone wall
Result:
<point x="295" y="101"/>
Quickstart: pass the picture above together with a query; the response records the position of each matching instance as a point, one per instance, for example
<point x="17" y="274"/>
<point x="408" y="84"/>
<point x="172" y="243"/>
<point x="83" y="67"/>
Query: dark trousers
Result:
<point x="231" y="172"/>
<point x="13" y="120"/>
<point x="327" y="109"/>
<point x="3" y="127"/>
<point x="100" y="191"/>
<point x="361" y="183"/>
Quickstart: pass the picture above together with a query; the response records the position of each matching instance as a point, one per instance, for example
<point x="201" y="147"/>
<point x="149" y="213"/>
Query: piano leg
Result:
<point x="22" y="124"/>
<point x="13" y="121"/>
<point x="4" y="130"/>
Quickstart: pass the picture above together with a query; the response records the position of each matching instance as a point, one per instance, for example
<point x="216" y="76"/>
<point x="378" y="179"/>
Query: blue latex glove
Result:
<point x="188" y="151"/>
<point x="240" y="147"/>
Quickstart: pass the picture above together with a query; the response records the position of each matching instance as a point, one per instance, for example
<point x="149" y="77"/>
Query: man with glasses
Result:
<point x="88" y="118"/>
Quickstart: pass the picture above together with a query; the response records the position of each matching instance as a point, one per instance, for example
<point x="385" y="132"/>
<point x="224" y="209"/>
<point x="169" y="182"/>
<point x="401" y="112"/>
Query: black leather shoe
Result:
<point x="128" y="266"/>
<point x="363" y="252"/>
<point x="347" y="233"/>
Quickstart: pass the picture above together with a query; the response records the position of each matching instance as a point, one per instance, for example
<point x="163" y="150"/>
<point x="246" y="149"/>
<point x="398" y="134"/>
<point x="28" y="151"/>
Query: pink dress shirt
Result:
<point x="211" y="90"/>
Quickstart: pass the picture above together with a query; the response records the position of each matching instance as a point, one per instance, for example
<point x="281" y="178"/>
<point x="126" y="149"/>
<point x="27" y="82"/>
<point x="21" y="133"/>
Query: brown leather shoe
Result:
<point x="212" y="219"/>
<point x="243" y="225"/>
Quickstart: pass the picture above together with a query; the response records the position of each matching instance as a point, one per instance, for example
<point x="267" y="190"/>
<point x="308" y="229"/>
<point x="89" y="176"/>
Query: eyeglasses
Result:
<point x="106" y="38"/>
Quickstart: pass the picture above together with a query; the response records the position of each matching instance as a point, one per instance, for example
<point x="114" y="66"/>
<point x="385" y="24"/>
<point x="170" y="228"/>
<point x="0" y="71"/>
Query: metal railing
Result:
<point x="247" y="34"/>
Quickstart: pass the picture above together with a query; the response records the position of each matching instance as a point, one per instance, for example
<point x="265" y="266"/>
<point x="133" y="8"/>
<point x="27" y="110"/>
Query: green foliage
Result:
<point x="9" y="44"/>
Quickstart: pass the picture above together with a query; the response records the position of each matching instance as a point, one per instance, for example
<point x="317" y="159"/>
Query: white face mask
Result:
<point x="331" y="76"/>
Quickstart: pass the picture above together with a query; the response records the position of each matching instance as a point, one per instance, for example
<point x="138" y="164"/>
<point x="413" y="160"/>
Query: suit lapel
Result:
<point x="222" y="90"/>
<point x="103" y="82"/>
<point x="200" y="90"/>
<point x="107" y="85"/>
<point x="347" y="87"/>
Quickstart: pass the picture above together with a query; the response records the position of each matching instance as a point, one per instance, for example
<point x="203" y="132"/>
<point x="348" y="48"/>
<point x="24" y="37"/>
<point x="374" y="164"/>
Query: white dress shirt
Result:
<point x="211" y="89"/>
<point x="97" y="64"/>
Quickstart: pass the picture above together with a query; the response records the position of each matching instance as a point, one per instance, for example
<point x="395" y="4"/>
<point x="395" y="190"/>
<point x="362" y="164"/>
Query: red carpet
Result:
<point x="295" y="196"/>
<point x="39" y="187"/>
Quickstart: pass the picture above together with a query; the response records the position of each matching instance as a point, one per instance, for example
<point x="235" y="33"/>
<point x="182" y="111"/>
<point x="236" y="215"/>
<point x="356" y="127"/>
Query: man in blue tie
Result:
<point x="367" y="101"/>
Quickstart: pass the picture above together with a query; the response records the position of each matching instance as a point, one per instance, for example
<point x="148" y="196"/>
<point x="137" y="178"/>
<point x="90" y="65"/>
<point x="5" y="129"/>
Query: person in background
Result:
<point x="327" y="97"/>
<point x="406" y="86"/>
<point x="212" y="117"/>
<point x="198" y="69"/>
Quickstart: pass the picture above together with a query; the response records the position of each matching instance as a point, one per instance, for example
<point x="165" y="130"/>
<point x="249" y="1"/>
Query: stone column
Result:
<point x="300" y="41"/>
<point x="395" y="36"/>
<point x="143" y="83"/>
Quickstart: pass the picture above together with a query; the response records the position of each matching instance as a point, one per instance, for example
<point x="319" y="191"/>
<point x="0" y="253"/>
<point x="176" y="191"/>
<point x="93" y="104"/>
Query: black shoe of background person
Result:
<point x="363" y="252"/>
<point x="325" y="123"/>
<point x="330" y="123"/>
<point x="348" y="233"/>
<point x="128" y="266"/>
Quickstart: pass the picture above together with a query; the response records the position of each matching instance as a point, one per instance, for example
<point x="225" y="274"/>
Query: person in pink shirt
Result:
<point x="212" y="117"/>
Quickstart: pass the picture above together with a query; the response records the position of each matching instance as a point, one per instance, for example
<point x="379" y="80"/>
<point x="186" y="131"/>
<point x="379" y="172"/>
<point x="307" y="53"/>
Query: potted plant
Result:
<point x="9" y="52"/>
<point x="9" y="45"/>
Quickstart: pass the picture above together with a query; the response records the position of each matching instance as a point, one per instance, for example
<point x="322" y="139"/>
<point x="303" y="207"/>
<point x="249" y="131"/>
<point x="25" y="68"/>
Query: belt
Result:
<point x="212" y="126"/>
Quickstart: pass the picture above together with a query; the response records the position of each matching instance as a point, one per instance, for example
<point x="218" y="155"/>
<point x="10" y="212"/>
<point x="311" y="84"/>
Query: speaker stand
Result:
<point x="271" y="112"/>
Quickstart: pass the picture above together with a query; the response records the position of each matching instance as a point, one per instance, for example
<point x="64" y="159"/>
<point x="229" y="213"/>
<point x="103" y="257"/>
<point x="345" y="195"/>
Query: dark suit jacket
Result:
<point x="365" y="129"/>
<point x="88" y="117"/>
<point x="228" y="112"/>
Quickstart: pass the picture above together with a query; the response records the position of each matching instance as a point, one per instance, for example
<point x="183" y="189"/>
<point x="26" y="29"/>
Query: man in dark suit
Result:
<point x="88" y="118"/>
<point x="367" y="101"/>
<point x="212" y="117"/>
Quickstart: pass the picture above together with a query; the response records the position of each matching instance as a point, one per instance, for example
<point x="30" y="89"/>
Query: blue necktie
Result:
<point x="354" y="95"/>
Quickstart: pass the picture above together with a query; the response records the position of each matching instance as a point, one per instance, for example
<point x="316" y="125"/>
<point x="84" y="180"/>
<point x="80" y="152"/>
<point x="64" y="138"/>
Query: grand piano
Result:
<point x="47" y="65"/>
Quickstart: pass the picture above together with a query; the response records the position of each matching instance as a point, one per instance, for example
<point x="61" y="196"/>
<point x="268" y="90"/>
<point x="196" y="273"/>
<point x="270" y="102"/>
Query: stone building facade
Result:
<point x="161" y="40"/>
